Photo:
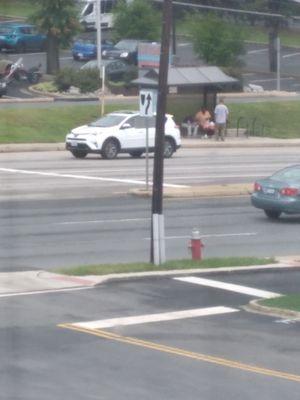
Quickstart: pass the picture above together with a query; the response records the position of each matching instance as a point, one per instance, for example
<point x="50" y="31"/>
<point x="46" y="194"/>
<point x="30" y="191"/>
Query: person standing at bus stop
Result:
<point x="221" y="118"/>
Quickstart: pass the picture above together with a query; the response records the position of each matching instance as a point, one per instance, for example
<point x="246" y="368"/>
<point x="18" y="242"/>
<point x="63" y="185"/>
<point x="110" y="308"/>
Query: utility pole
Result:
<point x="97" y="5"/>
<point x="157" y="255"/>
<point x="273" y="36"/>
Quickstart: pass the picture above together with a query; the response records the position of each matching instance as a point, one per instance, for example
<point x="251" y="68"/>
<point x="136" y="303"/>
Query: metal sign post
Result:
<point x="147" y="109"/>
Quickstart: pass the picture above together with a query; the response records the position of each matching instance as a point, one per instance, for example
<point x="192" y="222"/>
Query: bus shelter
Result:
<point x="190" y="88"/>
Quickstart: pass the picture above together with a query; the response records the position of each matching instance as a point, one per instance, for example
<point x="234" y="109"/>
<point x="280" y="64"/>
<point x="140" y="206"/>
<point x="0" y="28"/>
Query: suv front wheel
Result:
<point x="110" y="149"/>
<point x="79" y="153"/>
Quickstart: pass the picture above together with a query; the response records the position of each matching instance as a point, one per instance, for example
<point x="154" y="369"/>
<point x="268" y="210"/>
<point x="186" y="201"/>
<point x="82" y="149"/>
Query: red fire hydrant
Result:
<point x="196" y="245"/>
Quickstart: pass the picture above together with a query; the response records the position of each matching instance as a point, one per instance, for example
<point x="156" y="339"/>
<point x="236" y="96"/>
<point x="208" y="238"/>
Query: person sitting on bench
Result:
<point x="206" y="125"/>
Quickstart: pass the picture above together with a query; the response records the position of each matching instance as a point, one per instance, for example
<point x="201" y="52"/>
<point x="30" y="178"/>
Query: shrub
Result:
<point x="86" y="80"/>
<point x="64" y="79"/>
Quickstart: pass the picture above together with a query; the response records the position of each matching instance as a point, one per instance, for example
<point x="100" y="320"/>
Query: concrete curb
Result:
<point x="98" y="280"/>
<point x="27" y="147"/>
<point x="238" y="189"/>
<point x="28" y="100"/>
<point x="26" y="282"/>
<point x="255" y="307"/>
<point x="193" y="143"/>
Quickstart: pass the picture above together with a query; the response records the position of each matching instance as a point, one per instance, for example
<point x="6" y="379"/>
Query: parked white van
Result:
<point x="88" y="13"/>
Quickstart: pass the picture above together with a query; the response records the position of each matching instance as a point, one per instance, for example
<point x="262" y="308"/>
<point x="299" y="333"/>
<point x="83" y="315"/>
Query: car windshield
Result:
<point x="287" y="174"/>
<point x="108" y="121"/>
<point x="126" y="45"/>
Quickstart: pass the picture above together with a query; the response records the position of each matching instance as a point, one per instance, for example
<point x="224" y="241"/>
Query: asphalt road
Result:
<point x="220" y="353"/>
<point x="59" y="211"/>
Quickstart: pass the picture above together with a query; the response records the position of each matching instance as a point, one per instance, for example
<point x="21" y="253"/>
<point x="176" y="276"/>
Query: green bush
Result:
<point x="86" y="80"/>
<point x="64" y="79"/>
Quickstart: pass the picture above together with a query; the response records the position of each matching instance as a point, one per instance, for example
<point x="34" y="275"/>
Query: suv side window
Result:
<point x="140" y="123"/>
<point x="131" y="122"/>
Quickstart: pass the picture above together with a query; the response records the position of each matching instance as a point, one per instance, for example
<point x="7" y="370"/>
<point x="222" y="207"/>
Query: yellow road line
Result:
<point x="184" y="353"/>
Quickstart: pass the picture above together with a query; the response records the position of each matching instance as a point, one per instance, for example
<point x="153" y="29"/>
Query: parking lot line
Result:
<point x="229" y="286"/>
<point x="161" y="317"/>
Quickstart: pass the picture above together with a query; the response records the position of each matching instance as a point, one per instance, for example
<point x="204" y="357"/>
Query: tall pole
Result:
<point x="278" y="63"/>
<point x="157" y="255"/>
<point x="99" y="55"/>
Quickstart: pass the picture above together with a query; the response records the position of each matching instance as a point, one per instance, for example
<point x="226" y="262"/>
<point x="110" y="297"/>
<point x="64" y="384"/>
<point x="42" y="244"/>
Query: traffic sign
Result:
<point x="148" y="103"/>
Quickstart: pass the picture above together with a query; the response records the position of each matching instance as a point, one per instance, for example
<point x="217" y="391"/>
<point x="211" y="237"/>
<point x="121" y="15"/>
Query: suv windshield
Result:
<point x="108" y="121"/>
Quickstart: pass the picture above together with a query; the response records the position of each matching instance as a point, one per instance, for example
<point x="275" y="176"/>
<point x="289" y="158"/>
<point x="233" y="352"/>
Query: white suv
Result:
<point x="121" y="132"/>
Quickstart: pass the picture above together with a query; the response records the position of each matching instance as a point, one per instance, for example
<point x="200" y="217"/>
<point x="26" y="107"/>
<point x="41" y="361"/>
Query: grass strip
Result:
<point x="51" y="124"/>
<point x="16" y="8"/>
<point x="288" y="302"/>
<point x="46" y="125"/>
<point x="104" y="269"/>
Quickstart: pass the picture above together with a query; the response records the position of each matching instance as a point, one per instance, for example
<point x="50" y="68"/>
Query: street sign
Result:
<point x="148" y="103"/>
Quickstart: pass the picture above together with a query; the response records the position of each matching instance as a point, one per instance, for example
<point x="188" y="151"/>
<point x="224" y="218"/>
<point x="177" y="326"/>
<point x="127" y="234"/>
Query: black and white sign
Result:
<point x="147" y="103"/>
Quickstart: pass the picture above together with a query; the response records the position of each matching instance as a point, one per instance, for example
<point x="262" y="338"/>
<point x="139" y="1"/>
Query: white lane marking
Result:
<point x="46" y="291"/>
<point x="257" y="51"/>
<point x="291" y="55"/>
<point x="210" y="235"/>
<point x="83" y="177"/>
<point x="102" y="221"/>
<point x="144" y="319"/>
<point x="229" y="286"/>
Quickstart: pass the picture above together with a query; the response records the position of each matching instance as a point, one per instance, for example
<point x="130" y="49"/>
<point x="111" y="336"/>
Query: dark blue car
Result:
<point x="20" y="37"/>
<point x="86" y="49"/>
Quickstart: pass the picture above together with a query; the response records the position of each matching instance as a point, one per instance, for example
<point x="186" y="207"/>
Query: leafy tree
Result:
<point x="58" y="20"/>
<point x="136" y="19"/>
<point x="286" y="8"/>
<point x="216" y="41"/>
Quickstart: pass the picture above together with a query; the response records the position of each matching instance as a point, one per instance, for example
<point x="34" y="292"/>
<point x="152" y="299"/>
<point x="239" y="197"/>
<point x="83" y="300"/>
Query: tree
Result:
<point x="136" y="19"/>
<point x="58" y="20"/>
<point x="216" y="41"/>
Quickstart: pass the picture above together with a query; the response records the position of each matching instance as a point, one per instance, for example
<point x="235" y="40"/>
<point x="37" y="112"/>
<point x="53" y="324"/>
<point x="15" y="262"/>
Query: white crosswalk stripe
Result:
<point x="229" y="286"/>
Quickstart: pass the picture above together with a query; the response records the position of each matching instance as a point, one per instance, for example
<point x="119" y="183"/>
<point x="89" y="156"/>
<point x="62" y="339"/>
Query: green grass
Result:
<point x="104" y="269"/>
<point x="16" y="8"/>
<point x="289" y="302"/>
<point x="280" y="120"/>
<point x="50" y="125"/>
<point x="260" y="35"/>
<point x="256" y="34"/>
